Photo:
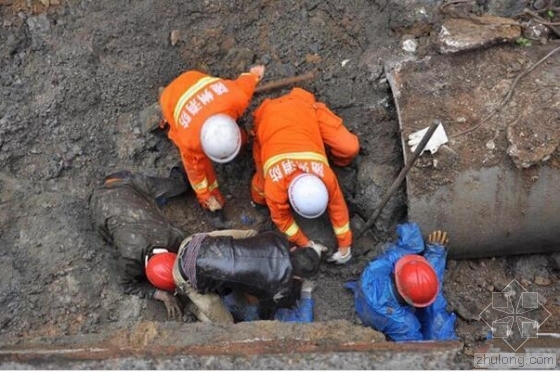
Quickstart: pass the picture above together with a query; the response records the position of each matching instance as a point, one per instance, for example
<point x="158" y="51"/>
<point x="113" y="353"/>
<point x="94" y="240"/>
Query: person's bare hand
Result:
<point x="171" y="304"/>
<point x="438" y="237"/>
<point x="258" y="71"/>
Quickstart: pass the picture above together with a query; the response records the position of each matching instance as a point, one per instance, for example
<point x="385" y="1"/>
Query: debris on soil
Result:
<point x="493" y="129"/>
<point x="460" y="34"/>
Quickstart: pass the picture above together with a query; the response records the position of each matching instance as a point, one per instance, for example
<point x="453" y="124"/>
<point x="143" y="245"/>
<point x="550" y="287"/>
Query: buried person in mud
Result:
<point x="125" y="212"/>
<point x="292" y="170"/>
<point x="212" y="265"/>
<point x="201" y="111"/>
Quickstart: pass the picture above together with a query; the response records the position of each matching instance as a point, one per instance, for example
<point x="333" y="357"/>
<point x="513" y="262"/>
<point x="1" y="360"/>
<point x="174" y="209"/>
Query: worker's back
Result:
<point x="288" y="124"/>
<point x="259" y="265"/>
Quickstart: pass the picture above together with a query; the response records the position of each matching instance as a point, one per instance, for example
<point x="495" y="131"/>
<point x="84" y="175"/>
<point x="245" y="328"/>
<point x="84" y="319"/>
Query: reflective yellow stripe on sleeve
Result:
<point x="190" y="93"/>
<point x="342" y="229"/>
<point x="200" y="186"/>
<point x="294" y="156"/>
<point x="292" y="230"/>
<point x="213" y="186"/>
<point x="258" y="191"/>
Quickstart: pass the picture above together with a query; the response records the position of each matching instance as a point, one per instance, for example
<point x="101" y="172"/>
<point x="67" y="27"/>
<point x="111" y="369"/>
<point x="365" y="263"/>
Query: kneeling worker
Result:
<point x="202" y="111"/>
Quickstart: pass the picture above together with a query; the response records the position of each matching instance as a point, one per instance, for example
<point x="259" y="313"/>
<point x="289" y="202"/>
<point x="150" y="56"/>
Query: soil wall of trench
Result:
<point x="74" y="76"/>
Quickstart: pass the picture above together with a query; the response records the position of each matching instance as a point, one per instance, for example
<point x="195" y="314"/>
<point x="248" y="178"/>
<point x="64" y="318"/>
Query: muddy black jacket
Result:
<point x="125" y="213"/>
<point x="258" y="265"/>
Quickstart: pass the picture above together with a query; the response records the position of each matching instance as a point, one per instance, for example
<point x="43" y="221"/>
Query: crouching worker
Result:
<point x="125" y="213"/>
<point x="202" y="113"/>
<point x="400" y="293"/>
<point x="292" y="173"/>
<point x="211" y="265"/>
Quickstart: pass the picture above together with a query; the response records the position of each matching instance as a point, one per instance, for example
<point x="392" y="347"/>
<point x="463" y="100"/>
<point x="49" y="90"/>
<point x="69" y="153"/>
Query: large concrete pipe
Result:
<point x="495" y="187"/>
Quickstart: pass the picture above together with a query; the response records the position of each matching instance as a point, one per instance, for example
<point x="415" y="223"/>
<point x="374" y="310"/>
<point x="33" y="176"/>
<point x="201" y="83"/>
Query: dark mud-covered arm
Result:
<point x="133" y="279"/>
<point x="160" y="188"/>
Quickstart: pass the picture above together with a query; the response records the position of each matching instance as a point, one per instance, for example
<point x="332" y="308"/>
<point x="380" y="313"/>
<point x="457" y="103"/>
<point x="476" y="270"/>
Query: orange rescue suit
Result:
<point x="290" y="136"/>
<point x="186" y="103"/>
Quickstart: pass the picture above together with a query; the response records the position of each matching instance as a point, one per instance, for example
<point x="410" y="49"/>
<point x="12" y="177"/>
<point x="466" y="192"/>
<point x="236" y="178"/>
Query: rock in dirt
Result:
<point x="240" y="58"/>
<point x="150" y="118"/>
<point x="460" y="34"/>
<point x="445" y="158"/>
<point x="175" y="37"/>
<point x="367" y="242"/>
<point x="542" y="280"/>
<point x="533" y="143"/>
<point x="410" y="45"/>
<point x="536" y="31"/>
<point x="38" y="24"/>
<point x="412" y="17"/>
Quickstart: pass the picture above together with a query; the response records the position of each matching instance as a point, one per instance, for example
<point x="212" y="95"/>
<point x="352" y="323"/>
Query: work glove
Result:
<point x="258" y="71"/>
<point x="150" y="118"/>
<point x="171" y="303"/>
<point x="317" y="247"/>
<point x="307" y="287"/>
<point x="213" y="204"/>
<point x="339" y="257"/>
<point x="438" y="237"/>
<point x="438" y="138"/>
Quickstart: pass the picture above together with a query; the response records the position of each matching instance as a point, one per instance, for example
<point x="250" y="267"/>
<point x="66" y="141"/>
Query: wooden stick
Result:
<point x="400" y="178"/>
<point x="284" y="82"/>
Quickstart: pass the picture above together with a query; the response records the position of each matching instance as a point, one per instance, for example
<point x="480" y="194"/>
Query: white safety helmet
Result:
<point x="220" y="137"/>
<point x="308" y="195"/>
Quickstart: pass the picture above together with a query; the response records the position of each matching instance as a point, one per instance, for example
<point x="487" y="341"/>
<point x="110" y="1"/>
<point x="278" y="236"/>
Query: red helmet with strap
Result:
<point x="159" y="271"/>
<point x="416" y="280"/>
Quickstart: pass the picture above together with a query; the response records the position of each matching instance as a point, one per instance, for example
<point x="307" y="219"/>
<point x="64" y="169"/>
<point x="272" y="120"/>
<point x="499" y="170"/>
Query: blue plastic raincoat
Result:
<point x="244" y="312"/>
<point x="376" y="302"/>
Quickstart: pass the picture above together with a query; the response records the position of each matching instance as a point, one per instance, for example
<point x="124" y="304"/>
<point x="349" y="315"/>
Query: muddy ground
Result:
<point x="75" y="76"/>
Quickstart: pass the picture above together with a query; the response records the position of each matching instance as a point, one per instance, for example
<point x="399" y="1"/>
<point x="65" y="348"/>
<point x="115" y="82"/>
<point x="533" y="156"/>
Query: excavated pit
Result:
<point x="76" y="74"/>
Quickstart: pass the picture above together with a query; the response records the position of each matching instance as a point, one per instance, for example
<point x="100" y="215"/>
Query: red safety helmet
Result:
<point x="416" y="280"/>
<point x="159" y="270"/>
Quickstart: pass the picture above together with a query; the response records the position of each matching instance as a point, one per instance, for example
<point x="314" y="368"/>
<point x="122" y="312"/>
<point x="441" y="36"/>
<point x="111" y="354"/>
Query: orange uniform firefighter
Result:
<point x="201" y="111"/>
<point x="292" y="167"/>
